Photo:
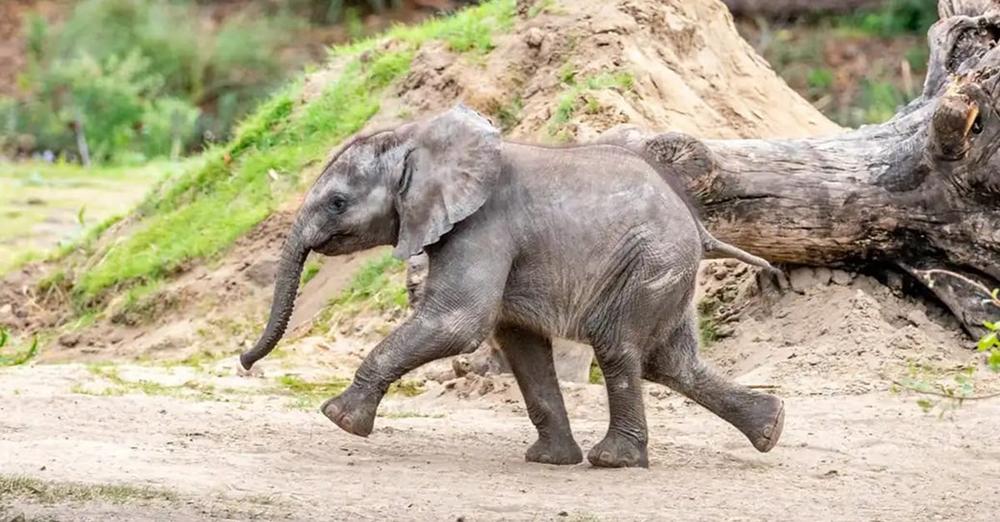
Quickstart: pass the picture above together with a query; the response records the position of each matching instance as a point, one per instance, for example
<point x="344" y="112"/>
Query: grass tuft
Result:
<point x="18" y="486"/>
<point x="16" y="358"/>
<point x="309" y="272"/>
<point x="121" y="386"/>
<point x="596" y="374"/>
<point x="708" y="330"/>
<point x="376" y="287"/>
<point x="578" y="95"/>
<point x="310" y="395"/>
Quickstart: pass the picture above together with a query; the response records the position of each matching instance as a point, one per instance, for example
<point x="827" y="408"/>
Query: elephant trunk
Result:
<point x="286" y="286"/>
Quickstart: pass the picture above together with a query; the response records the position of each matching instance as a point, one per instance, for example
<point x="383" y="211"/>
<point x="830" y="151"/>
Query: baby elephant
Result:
<point x="530" y="243"/>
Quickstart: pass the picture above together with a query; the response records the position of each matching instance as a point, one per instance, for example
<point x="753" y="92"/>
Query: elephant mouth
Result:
<point x="335" y="245"/>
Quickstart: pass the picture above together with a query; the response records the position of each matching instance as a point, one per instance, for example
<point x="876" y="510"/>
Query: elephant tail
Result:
<point x="712" y="248"/>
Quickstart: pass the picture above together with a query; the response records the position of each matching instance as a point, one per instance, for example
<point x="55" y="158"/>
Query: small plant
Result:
<point x="947" y="391"/>
<point x="880" y="100"/>
<point x="310" y="271"/>
<point x="596" y="374"/>
<point x="990" y="343"/>
<point x="820" y="78"/>
<point x="509" y="115"/>
<point x="708" y="331"/>
<point x="579" y="95"/>
<point x="17" y="358"/>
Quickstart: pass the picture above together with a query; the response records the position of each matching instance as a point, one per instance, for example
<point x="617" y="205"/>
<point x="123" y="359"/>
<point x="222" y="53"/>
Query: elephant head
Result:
<point x="406" y="186"/>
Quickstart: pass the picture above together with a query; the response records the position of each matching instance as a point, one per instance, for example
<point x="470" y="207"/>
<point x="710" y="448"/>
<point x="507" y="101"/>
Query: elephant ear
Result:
<point x="450" y="170"/>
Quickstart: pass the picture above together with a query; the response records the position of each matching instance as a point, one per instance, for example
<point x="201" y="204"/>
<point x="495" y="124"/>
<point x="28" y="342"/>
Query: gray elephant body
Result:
<point x="527" y="242"/>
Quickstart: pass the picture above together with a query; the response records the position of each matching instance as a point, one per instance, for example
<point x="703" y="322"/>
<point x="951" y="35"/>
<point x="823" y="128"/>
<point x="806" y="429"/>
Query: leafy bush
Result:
<point x="990" y="343"/>
<point x="138" y="79"/>
<point x="900" y="16"/>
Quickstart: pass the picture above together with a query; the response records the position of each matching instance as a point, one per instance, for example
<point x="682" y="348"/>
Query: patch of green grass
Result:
<point x="310" y="395"/>
<point x="19" y="357"/>
<point x="142" y="304"/>
<point x="309" y="272"/>
<point x="406" y="388"/>
<point x="40" y="205"/>
<point x="894" y="18"/>
<point x="46" y="492"/>
<point x="121" y="386"/>
<point x="880" y="100"/>
<point x="596" y="375"/>
<point x="469" y="30"/>
<point x="577" y="96"/>
<point x="208" y="208"/>
<point x="300" y="386"/>
<point x="197" y="360"/>
<point x="708" y="331"/>
<point x="820" y="78"/>
<point x="373" y="287"/>
<point x="20" y="259"/>
<point x="567" y="74"/>
<point x="509" y="115"/>
<point x="372" y="284"/>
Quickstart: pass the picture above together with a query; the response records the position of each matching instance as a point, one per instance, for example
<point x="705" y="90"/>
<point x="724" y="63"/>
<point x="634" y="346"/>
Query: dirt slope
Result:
<point x="683" y="73"/>
<point x="851" y="450"/>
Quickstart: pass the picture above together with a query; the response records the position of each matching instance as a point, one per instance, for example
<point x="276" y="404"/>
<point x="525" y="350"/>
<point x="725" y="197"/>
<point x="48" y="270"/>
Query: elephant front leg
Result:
<point x="421" y="339"/>
<point x="459" y="307"/>
<point x="530" y="358"/>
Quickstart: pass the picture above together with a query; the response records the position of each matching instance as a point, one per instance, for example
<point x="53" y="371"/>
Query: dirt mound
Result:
<point x="553" y="75"/>
<point x="836" y="333"/>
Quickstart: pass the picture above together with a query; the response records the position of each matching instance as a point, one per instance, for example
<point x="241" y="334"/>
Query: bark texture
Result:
<point x="920" y="191"/>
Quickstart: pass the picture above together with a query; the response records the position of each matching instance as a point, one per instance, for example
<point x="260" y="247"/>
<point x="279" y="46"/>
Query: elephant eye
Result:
<point x="338" y="203"/>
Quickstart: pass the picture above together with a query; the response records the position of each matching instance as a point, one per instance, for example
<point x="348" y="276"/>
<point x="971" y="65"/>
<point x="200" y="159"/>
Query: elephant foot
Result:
<point x="764" y="422"/>
<point x="354" y="411"/>
<point x="619" y="451"/>
<point x="559" y="451"/>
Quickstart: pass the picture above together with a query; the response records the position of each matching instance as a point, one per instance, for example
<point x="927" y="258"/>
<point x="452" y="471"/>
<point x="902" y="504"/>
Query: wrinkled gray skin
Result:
<point x="528" y="243"/>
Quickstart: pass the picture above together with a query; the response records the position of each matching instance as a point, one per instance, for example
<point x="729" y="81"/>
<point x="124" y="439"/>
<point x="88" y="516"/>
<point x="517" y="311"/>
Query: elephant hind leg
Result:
<point x="530" y="357"/>
<point x="625" y="444"/>
<point x="676" y="363"/>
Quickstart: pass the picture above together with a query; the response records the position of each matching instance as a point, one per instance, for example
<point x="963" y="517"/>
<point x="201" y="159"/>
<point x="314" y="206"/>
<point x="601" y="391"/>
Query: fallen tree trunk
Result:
<point x="920" y="191"/>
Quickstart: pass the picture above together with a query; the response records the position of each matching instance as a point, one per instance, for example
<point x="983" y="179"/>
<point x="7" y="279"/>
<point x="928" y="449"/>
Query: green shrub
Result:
<point x="135" y="86"/>
<point x="880" y="100"/>
<point x="820" y="78"/>
<point x="990" y="343"/>
<point x="898" y="17"/>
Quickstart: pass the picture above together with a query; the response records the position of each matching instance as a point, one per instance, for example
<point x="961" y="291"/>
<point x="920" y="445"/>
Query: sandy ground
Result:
<point x="41" y="205"/>
<point x="851" y="449"/>
<point x="870" y="456"/>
